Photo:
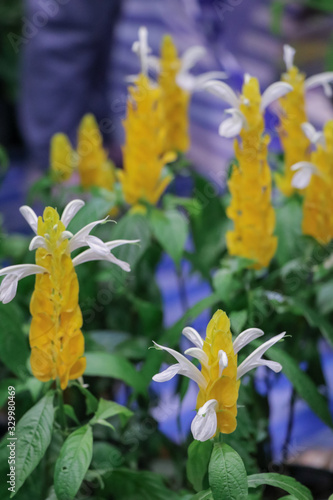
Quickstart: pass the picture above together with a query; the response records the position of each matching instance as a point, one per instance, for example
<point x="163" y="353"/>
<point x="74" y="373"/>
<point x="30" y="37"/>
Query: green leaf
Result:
<point x="33" y="432"/>
<point x="285" y="483"/>
<point x="14" y="351"/>
<point x="91" y="401"/>
<point x="107" y="409"/>
<point x="73" y="462"/>
<point x="199" y="454"/>
<point x="316" y="320"/>
<point x="238" y="320"/>
<point x="70" y="412"/>
<point x="288" y="230"/>
<point x="203" y="495"/>
<point x="302" y="383"/>
<point x="227" y="475"/>
<point x="104" y="364"/>
<point x="171" y="231"/>
<point x="94" y="209"/>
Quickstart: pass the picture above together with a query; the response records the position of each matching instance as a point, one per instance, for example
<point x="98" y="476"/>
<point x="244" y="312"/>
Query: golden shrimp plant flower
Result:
<point x="62" y="158"/>
<point x="295" y="143"/>
<point x="143" y="178"/>
<point x="316" y="178"/>
<point x="250" y="183"/>
<point x="56" y="339"/>
<point x="218" y="379"/>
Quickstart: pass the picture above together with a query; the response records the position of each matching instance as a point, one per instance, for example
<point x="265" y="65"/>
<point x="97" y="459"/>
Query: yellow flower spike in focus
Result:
<point x="94" y="167"/>
<point x="61" y="158"/>
<point x="56" y="340"/>
<point x="296" y="145"/>
<point x="175" y="99"/>
<point x="219" y="377"/>
<point x="316" y="177"/>
<point x="250" y="184"/>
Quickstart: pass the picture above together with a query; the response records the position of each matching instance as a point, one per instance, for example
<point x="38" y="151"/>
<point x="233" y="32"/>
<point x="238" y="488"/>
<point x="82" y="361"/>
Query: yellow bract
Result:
<point x="318" y="203"/>
<point x="56" y="340"/>
<point x="61" y="158"/>
<point x="95" y="168"/>
<point x="175" y="100"/>
<point x="250" y="186"/>
<point x="143" y="157"/>
<point x="296" y="145"/>
<point x="222" y="388"/>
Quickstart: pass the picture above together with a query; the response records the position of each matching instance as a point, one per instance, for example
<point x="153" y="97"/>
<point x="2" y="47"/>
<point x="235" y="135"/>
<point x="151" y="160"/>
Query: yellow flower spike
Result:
<point x="175" y="99"/>
<point x="317" y="177"/>
<point x="62" y="160"/>
<point x="295" y="144"/>
<point x="94" y="167"/>
<point x="219" y="377"/>
<point x="56" y="340"/>
<point x="142" y="178"/>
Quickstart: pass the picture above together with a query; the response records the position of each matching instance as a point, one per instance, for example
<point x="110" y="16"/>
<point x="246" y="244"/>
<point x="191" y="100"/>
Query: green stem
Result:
<point x="61" y="407"/>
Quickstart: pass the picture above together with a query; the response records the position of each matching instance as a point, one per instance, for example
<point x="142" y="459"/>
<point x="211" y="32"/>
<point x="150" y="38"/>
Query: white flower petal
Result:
<point x="274" y="92"/>
<point x="272" y="365"/>
<point x="193" y="83"/>
<point x="191" y="56"/>
<point x="197" y="353"/>
<point x="312" y="134"/>
<point x="193" y="336"/>
<point x="320" y="79"/>
<point x="246" y="337"/>
<point x="223" y="361"/>
<point x="288" y="56"/>
<point x="223" y="91"/>
<point x="90" y="255"/>
<point x="232" y="126"/>
<point x="80" y="238"/>
<point x="255" y="359"/>
<point x="118" y="243"/>
<point x="304" y="171"/>
<point x="37" y="242"/>
<point x="167" y="374"/>
<point x="204" y="424"/>
<point x="12" y="275"/>
<point x="142" y="49"/>
<point x="8" y="288"/>
<point x="30" y="217"/>
<point x="70" y="211"/>
<point x="186" y="367"/>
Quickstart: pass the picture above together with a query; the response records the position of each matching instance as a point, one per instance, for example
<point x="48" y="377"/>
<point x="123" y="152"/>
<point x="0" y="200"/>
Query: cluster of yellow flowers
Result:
<point x="90" y="158"/>
<point x="250" y="186"/>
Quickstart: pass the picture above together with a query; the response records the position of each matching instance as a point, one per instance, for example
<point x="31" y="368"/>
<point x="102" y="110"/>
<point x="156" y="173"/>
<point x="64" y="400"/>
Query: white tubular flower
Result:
<point x="98" y="250"/>
<point x="314" y="136"/>
<point x="232" y="126"/>
<point x="142" y="49"/>
<point x="323" y="79"/>
<point x="304" y="171"/>
<point x="218" y="390"/>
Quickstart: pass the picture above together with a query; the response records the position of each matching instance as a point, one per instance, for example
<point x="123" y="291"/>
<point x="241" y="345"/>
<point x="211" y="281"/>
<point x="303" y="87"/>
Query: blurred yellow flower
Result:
<point x="175" y="100"/>
<point x="142" y="176"/>
<point x="62" y="158"/>
<point x="94" y="167"/>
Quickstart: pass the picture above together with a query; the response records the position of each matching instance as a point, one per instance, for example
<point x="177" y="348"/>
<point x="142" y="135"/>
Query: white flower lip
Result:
<point x="193" y="336"/>
<point x="304" y="171"/>
<point x="223" y="91"/>
<point x="288" y="56"/>
<point x="232" y="126"/>
<point x="142" y="49"/>
<point x="274" y="92"/>
<point x="314" y="136"/>
<point x="246" y="337"/>
<point x="30" y="217"/>
<point x="12" y="275"/>
<point x="204" y="424"/>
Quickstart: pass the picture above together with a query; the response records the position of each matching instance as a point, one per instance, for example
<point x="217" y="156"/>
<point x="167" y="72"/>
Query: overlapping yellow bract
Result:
<point x="175" y="100"/>
<point x="296" y="145"/>
<point x="142" y="178"/>
<point x="61" y="158"/>
<point x="56" y="340"/>
<point x="318" y="202"/>
<point x="250" y="186"/>
<point x="222" y="388"/>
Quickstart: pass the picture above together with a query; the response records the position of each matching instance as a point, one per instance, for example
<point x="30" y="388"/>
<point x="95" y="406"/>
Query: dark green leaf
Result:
<point x="199" y="454"/>
<point x="14" y="351"/>
<point x="227" y="475"/>
<point x="33" y="432"/>
<point x="286" y="483"/>
<point x="203" y="495"/>
<point x="73" y="462"/>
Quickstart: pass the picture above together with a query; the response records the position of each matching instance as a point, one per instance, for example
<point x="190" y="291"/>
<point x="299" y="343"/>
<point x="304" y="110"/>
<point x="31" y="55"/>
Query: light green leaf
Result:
<point x="204" y="495"/>
<point x="107" y="409"/>
<point x="104" y="364"/>
<point x="238" y="320"/>
<point x="33" y="432"/>
<point x="171" y="231"/>
<point x="286" y="483"/>
<point x="14" y="351"/>
<point x="73" y="462"/>
<point x="227" y="475"/>
<point x="199" y="454"/>
<point x="302" y="383"/>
